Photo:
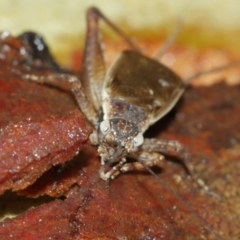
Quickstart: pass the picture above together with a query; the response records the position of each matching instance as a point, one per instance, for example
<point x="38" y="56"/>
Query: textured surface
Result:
<point x="134" y="205"/>
<point x="39" y="126"/>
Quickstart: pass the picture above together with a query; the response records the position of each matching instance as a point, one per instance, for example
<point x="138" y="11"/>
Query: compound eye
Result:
<point x="104" y="127"/>
<point x="138" y="140"/>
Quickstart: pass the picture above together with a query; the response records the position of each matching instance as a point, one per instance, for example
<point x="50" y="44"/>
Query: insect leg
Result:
<point x="113" y="172"/>
<point x="67" y="82"/>
<point x="166" y="146"/>
<point x="150" y="158"/>
<point x="94" y="63"/>
<point x="97" y="14"/>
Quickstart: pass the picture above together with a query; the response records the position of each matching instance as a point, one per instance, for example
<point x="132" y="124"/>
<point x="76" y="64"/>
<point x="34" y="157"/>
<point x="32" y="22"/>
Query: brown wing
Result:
<point x="145" y="83"/>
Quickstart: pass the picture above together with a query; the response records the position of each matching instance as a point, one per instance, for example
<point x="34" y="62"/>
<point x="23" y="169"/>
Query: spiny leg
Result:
<point x="70" y="83"/>
<point x="166" y="146"/>
<point x="97" y="14"/>
<point x="150" y="158"/>
<point x="169" y="146"/>
<point x="88" y="91"/>
<point x="113" y="172"/>
<point x="148" y="154"/>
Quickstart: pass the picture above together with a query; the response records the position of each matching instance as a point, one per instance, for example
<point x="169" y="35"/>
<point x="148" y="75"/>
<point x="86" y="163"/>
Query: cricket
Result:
<point x="122" y="102"/>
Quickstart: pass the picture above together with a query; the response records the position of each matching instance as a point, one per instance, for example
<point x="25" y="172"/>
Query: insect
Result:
<point x="122" y="102"/>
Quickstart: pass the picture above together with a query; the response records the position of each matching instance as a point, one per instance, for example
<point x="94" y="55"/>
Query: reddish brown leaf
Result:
<point x="40" y="127"/>
<point x="135" y="205"/>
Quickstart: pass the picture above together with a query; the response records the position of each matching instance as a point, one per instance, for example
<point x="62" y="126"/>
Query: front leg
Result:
<point x="94" y="64"/>
<point x="150" y="159"/>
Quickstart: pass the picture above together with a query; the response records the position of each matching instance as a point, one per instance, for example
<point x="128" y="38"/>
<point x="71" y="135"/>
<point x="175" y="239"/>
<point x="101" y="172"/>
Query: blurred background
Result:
<point x="212" y="24"/>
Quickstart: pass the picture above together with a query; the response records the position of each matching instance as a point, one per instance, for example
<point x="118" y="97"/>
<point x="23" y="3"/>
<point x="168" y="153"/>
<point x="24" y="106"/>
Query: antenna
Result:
<point x="170" y="40"/>
<point x="213" y="70"/>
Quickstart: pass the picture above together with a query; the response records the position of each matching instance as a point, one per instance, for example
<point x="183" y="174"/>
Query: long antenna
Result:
<point x="180" y="199"/>
<point x="170" y="40"/>
<point x="217" y="69"/>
